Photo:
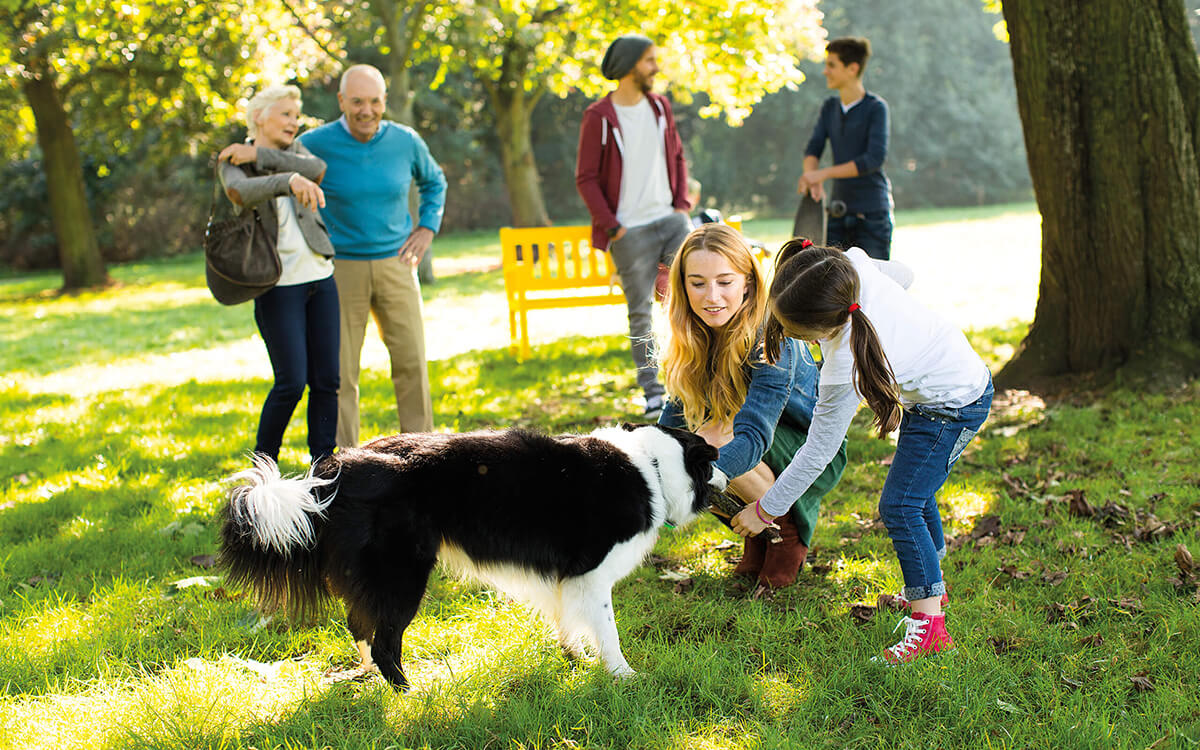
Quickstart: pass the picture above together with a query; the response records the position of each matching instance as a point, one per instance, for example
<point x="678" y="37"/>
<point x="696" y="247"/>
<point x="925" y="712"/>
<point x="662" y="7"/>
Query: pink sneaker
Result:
<point x="924" y="635"/>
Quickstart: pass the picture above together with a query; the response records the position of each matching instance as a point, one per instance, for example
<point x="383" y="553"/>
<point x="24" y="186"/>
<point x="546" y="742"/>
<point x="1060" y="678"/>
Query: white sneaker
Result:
<point x="654" y="407"/>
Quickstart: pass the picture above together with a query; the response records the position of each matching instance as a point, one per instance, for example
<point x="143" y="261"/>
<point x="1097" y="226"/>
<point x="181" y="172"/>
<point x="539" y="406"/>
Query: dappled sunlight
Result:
<point x="853" y="573"/>
<point x="52" y="628"/>
<point x="781" y="693"/>
<point x="240" y="360"/>
<point x="962" y="503"/>
<point x="197" y="699"/>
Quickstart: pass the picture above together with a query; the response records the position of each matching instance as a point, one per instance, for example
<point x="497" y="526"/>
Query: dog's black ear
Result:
<point x="630" y="426"/>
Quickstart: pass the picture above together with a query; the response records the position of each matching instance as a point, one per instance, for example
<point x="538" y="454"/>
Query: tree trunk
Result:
<point x="513" y="105"/>
<point x="1109" y="96"/>
<point x="78" y="251"/>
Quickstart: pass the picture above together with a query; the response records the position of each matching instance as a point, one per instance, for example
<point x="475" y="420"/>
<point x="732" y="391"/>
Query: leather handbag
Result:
<point x="240" y="258"/>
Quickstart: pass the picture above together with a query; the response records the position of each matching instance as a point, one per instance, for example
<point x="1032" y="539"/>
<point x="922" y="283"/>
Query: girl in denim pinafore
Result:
<point x="916" y="371"/>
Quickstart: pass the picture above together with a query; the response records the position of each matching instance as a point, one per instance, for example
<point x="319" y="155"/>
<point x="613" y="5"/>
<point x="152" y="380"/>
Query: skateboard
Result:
<point x="810" y="220"/>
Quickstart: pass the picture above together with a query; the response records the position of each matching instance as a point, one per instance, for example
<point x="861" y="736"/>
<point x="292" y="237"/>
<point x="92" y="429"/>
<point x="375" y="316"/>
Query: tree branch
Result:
<point x="312" y="34"/>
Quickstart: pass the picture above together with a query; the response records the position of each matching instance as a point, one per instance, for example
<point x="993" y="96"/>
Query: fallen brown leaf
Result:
<point x="1001" y="645"/>
<point x="862" y="613"/>
<point x="1012" y="572"/>
<point x="986" y="526"/>
<point x="204" y="561"/>
<point x="684" y="586"/>
<point x="1142" y="682"/>
<point x="1092" y="640"/>
<point x="1055" y="578"/>
<point x="888" y="601"/>
<point x="1078" y="504"/>
<point x="1183" y="559"/>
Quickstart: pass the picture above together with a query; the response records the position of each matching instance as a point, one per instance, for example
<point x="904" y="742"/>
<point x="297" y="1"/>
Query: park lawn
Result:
<point x="123" y="409"/>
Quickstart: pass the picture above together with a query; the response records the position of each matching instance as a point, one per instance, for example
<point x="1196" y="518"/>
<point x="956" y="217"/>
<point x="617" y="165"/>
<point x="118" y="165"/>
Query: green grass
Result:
<point x="123" y="410"/>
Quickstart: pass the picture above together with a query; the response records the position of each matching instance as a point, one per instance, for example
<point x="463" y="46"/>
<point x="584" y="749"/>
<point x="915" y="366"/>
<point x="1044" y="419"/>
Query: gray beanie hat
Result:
<point x="623" y="54"/>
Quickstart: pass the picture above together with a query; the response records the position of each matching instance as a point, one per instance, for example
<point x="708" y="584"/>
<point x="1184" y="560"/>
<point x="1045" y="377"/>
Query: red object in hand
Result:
<point x="662" y="283"/>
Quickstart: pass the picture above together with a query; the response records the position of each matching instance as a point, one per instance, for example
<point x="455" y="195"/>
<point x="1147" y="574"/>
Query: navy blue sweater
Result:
<point x="860" y="136"/>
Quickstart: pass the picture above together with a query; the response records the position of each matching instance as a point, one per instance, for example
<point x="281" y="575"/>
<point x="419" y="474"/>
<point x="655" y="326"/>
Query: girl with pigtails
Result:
<point x="917" y="373"/>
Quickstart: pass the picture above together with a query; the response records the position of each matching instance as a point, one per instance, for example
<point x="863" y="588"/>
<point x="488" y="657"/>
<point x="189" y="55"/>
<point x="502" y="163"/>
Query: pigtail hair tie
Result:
<point x="854" y="307"/>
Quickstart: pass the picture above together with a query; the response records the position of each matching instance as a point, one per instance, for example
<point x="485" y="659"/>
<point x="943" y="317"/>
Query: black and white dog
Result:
<point x="554" y="521"/>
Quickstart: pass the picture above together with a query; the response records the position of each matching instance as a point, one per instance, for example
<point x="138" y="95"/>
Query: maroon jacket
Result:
<point x="599" y="160"/>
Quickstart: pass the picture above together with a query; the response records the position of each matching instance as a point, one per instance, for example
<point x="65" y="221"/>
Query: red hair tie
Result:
<point x="854" y="307"/>
<point x="805" y="243"/>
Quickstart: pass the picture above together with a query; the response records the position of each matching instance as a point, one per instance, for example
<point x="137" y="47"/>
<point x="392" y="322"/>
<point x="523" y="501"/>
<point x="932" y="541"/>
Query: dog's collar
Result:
<point x="661" y="491"/>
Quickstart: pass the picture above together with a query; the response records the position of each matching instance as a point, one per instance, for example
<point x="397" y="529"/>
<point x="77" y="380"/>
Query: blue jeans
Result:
<point x="932" y="438"/>
<point x="872" y="231"/>
<point x="299" y="325"/>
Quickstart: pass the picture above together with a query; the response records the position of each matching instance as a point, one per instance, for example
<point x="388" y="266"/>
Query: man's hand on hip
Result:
<point x="416" y="245"/>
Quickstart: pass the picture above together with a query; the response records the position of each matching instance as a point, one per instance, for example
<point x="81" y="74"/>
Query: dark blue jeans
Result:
<point x="872" y="231"/>
<point x="931" y="440"/>
<point x="299" y="324"/>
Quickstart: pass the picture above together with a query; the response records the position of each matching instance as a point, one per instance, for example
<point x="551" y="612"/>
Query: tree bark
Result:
<point x="1109" y="97"/>
<point x="513" y="104"/>
<point x="78" y="251"/>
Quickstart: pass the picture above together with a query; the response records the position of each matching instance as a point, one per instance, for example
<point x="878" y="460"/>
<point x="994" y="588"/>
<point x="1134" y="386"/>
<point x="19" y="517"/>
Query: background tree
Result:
<point x="1109" y="96"/>
<point x="147" y="77"/>
<point x="521" y="50"/>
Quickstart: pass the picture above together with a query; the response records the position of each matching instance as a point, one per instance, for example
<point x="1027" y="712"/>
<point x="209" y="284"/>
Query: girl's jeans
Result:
<point x="932" y="438"/>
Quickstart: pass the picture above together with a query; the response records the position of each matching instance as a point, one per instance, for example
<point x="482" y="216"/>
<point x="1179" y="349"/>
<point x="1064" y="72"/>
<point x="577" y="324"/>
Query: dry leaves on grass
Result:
<point x="1142" y="682"/>
<point x="862" y="613"/>
<point x="1003" y="645"/>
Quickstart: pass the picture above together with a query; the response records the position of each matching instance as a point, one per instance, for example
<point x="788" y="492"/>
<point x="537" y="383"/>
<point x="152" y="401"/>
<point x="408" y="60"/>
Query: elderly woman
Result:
<point x="274" y="174"/>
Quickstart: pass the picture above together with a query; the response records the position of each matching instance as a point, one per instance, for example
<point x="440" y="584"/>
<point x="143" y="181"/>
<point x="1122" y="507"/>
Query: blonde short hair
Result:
<point x="263" y="100"/>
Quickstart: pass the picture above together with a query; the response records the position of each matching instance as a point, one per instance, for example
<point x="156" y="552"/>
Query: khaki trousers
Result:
<point x="386" y="288"/>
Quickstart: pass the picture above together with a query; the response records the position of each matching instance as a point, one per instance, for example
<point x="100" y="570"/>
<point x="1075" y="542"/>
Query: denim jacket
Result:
<point x="787" y="387"/>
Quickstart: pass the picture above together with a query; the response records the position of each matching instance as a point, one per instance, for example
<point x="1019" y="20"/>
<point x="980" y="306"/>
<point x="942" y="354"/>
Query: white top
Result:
<point x="908" y="327"/>
<point x="300" y="264"/>
<point x="931" y="358"/>
<point x="645" y="189"/>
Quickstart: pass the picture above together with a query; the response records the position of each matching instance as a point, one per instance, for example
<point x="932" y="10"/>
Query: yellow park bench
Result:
<point x="554" y="267"/>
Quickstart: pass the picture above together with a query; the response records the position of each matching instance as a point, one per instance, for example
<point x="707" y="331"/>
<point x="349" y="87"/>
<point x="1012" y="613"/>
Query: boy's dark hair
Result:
<point x="851" y="49"/>
<point x="814" y="288"/>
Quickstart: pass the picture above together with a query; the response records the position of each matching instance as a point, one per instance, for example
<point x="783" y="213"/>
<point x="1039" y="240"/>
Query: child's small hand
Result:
<point x="749" y="522"/>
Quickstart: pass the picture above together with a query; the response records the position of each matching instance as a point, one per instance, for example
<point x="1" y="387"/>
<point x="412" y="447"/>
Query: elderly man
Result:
<point x="372" y="162"/>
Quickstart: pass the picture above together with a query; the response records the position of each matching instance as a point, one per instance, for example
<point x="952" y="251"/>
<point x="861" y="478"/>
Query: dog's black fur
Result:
<point x="562" y="516"/>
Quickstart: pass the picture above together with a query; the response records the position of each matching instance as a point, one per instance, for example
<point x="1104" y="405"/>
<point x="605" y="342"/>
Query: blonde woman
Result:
<point x="756" y="414"/>
<point x="273" y="173"/>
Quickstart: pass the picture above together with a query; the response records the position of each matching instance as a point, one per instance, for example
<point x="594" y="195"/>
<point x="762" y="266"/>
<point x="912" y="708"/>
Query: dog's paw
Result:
<point x="623" y="673"/>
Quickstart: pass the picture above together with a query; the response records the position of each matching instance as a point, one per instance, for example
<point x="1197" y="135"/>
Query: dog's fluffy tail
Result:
<point x="270" y="533"/>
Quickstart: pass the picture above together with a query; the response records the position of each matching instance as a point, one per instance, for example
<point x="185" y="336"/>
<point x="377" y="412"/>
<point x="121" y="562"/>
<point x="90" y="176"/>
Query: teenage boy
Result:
<point x="855" y="122"/>
<point x="631" y="174"/>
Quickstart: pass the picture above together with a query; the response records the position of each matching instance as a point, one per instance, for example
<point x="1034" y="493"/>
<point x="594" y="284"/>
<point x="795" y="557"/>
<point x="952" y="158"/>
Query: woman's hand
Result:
<point x="239" y="153"/>
<point x="748" y="522"/>
<point x="306" y="191"/>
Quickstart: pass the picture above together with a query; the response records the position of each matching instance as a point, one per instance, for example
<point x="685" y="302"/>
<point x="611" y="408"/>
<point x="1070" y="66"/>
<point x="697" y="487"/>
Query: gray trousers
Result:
<point x="637" y="255"/>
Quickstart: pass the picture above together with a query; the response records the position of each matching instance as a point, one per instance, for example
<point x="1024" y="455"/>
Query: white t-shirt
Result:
<point x="300" y="264"/>
<point x="931" y="358"/>
<point x="645" y="189"/>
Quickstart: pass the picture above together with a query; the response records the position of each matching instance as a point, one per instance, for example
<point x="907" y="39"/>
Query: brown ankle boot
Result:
<point x="783" y="560"/>
<point x="753" y="554"/>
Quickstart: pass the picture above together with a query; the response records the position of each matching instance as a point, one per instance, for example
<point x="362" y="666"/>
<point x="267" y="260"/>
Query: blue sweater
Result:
<point x="787" y="387"/>
<point x="860" y="136"/>
<point x="366" y="187"/>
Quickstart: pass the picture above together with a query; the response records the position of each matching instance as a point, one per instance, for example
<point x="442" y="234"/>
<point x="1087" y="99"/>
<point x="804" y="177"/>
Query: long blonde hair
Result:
<point x="704" y="367"/>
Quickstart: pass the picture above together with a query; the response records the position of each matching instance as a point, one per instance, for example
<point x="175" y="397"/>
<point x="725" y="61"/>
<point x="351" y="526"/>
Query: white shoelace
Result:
<point x="912" y="636"/>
